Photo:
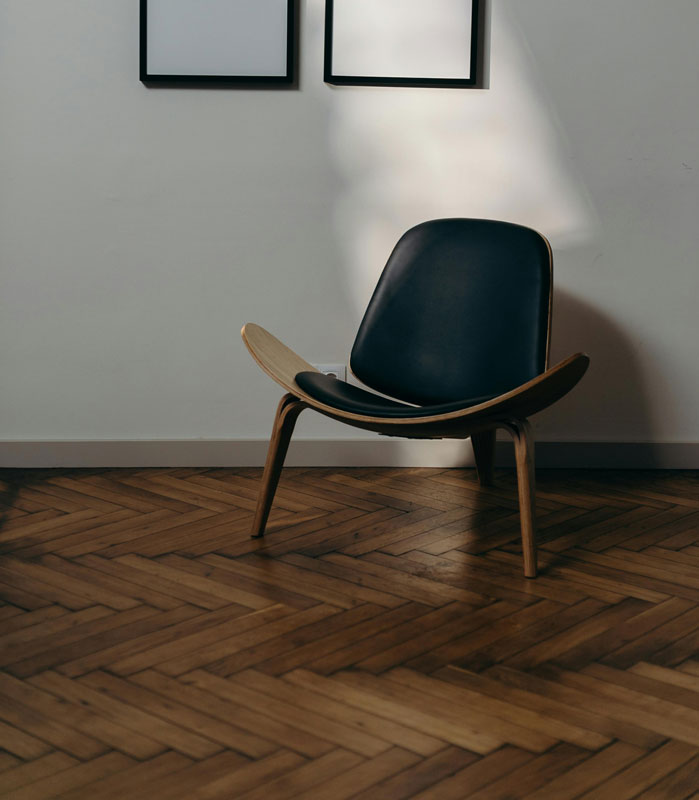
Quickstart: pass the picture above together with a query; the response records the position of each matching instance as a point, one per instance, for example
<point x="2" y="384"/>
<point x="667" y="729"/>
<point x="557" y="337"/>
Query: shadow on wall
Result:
<point x="613" y="394"/>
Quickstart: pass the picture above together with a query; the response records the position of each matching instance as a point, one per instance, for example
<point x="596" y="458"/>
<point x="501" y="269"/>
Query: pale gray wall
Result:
<point x="139" y="228"/>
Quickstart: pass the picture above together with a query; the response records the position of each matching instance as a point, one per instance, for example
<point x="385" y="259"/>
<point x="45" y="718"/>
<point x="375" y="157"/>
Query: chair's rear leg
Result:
<point x="524" y="455"/>
<point x="484" y="451"/>
<point x="284" y="421"/>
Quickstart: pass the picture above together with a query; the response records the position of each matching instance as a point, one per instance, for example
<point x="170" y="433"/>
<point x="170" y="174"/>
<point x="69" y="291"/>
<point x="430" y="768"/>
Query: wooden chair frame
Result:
<point x="509" y="411"/>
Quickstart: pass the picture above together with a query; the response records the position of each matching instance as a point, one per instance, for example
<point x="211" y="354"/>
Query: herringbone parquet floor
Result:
<point x="379" y="643"/>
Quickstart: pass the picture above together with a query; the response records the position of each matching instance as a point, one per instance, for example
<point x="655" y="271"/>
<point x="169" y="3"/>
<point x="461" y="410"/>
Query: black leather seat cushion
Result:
<point x="346" y="397"/>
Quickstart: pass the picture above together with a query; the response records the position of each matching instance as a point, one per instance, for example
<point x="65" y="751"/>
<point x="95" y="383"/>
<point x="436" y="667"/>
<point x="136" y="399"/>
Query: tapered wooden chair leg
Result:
<point x="287" y="412"/>
<point x="484" y="451"/>
<point x="524" y="455"/>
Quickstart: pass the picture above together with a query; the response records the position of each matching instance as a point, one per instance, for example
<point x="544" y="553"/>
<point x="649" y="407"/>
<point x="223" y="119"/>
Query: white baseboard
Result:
<point x="378" y="451"/>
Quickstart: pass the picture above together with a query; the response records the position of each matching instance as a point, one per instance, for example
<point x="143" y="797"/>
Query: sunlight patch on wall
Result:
<point x="405" y="155"/>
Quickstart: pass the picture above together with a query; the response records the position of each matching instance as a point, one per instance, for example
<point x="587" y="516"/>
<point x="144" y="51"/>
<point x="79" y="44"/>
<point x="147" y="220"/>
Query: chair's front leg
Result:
<point x="284" y="421"/>
<point x="524" y="455"/>
<point x="484" y="452"/>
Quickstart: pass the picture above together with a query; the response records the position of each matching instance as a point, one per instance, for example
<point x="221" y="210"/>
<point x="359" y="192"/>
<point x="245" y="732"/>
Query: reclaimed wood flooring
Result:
<point x="381" y="641"/>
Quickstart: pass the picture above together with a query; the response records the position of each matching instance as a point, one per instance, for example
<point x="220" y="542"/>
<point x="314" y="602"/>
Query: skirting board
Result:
<point x="378" y="452"/>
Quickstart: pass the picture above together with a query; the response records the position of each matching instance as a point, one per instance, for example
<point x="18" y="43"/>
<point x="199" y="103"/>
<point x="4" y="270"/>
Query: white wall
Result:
<point x="139" y="228"/>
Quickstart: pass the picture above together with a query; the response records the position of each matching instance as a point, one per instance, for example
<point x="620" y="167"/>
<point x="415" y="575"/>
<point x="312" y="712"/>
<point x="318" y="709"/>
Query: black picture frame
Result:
<point x="285" y="79"/>
<point x="467" y="81"/>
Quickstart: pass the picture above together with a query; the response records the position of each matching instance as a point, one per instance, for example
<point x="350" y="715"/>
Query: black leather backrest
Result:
<point x="461" y="310"/>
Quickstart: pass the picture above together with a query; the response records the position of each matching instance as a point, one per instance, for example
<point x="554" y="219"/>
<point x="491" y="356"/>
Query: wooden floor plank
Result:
<point x="272" y="594"/>
<point x="210" y="731"/>
<point x="115" y="586"/>
<point x="539" y="732"/>
<point x="81" y="718"/>
<point x="15" y="618"/>
<point x="373" y="636"/>
<point x="46" y="631"/>
<point x="8" y="761"/>
<point x="305" y="778"/>
<point x="126" y="715"/>
<point x="217" y="656"/>
<point x="274" y="727"/>
<point x="191" y="780"/>
<point x="367" y="775"/>
<point x="18" y="742"/>
<point x="114" y="627"/>
<point x="31" y="722"/>
<point x="37" y="770"/>
<point x="531" y="776"/>
<point x="278" y="701"/>
<point x="557" y="701"/>
<point x="207" y="780"/>
<point x="135" y="781"/>
<point x="79" y="775"/>
<point x="671" y="720"/>
<point x="164" y="627"/>
<point x="411" y="780"/>
<point x="28" y="544"/>
<point x="643" y="774"/>
<point x="275" y="571"/>
<point x="379" y="642"/>
<point x="477" y="776"/>
<point x="390" y="701"/>
<point x="357" y="706"/>
<point x="677" y="785"/>
<point x="239" y="725"/>
<point x="592" y="772"/>
<point x="300" y="645"/>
